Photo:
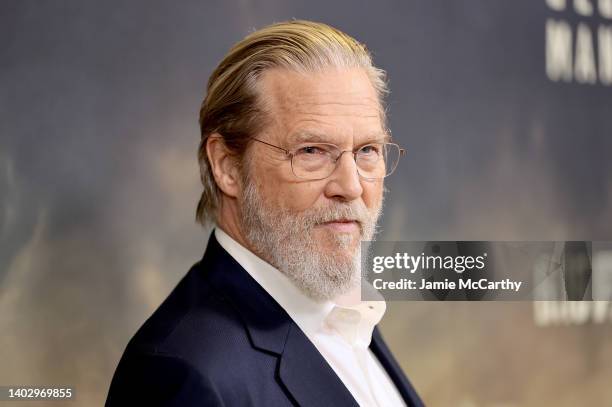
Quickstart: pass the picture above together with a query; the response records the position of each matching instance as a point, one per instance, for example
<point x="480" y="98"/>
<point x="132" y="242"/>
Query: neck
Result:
<point x="228" y="221"/>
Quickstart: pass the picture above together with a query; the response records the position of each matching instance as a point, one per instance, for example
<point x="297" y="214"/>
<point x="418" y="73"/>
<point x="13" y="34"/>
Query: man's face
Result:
<point x="292" y="221"/>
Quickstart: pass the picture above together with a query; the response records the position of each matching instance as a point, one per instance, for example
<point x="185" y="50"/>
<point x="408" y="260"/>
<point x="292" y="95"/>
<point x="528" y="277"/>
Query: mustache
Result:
<point x="354" y="211"/>
<point x="304" y="221"/>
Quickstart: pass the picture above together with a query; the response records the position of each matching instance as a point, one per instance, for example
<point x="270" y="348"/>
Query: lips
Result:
<point x="343" y="220"/>
<point x="342" y="225"/>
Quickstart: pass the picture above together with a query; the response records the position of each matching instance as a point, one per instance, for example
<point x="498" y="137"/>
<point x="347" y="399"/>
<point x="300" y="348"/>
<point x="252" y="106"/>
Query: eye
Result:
<point x="370" y="149"/>
<point x="311" y="150"/>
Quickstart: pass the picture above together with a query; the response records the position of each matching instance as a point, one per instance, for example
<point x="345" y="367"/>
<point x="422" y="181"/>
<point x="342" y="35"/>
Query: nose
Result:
<point x="344" y="183"/>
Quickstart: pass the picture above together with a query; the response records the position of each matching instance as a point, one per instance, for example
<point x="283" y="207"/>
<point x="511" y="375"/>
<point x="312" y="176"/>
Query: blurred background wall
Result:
<point x="505" y="108"/>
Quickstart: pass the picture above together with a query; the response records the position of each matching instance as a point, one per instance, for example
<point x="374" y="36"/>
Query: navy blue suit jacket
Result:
<point x="220" y="339"/>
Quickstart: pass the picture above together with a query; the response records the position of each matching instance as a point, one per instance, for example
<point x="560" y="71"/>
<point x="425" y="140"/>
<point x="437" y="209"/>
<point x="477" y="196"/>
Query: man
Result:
<point x="293" y="155"/>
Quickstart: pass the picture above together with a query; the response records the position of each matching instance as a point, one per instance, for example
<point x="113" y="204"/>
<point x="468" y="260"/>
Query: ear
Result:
<point x="223" y="165"/>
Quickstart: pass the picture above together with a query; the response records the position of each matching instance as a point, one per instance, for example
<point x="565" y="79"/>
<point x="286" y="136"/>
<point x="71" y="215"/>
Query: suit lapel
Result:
<point x="382" y="352"/>
<point x="308" y="376"/>
<point x="303" y="371"/>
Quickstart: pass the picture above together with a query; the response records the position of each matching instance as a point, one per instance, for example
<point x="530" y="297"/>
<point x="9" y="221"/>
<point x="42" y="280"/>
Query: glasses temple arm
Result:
<point x="272" y="145"/>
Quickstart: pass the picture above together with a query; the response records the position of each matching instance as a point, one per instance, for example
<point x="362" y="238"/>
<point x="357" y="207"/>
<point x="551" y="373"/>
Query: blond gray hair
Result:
<point x="232" y="108"/>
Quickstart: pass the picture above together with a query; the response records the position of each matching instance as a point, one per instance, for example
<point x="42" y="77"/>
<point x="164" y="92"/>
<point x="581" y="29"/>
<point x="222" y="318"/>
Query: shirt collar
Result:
<point x="354" y="322"/>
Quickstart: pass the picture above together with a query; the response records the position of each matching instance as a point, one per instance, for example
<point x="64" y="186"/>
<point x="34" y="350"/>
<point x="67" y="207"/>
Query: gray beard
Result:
<point x="285" y="240"/>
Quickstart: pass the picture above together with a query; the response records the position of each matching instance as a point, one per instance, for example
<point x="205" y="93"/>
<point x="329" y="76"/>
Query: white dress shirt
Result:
<point x="342" y="334"/>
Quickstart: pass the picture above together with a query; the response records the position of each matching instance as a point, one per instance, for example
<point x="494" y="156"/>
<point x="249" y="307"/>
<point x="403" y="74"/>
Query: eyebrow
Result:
<point x="309" y="136"/>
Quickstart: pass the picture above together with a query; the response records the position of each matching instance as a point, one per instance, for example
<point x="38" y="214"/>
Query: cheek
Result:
<point x="273" y="182"/>
<point x="280" y="189"/>
<point x="300" y="196"/>
<point x="372" y="193"/>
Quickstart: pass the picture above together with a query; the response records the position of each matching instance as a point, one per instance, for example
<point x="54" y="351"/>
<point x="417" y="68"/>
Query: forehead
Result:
<point x="340" y="105"/>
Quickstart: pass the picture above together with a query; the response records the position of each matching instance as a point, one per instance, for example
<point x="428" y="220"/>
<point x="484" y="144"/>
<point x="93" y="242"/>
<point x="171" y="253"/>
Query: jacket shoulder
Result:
<point x="185" y="348"/>
<point x="156" y="379"/>
<point x="194" y="323"/>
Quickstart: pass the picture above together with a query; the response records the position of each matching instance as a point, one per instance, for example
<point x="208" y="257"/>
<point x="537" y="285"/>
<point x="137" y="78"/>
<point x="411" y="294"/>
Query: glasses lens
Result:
<point x="314" y="161"/>
<point x="318" y="161"/>
<point x="376" y="161"/>
<point x="393" y="152"/>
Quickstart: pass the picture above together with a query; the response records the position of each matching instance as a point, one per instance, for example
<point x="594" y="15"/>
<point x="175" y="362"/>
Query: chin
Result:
<point x="338" y="244"/>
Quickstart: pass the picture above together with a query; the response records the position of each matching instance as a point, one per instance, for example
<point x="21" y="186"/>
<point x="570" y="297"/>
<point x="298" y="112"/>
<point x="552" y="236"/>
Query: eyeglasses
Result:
<point x="316" y="161"/>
